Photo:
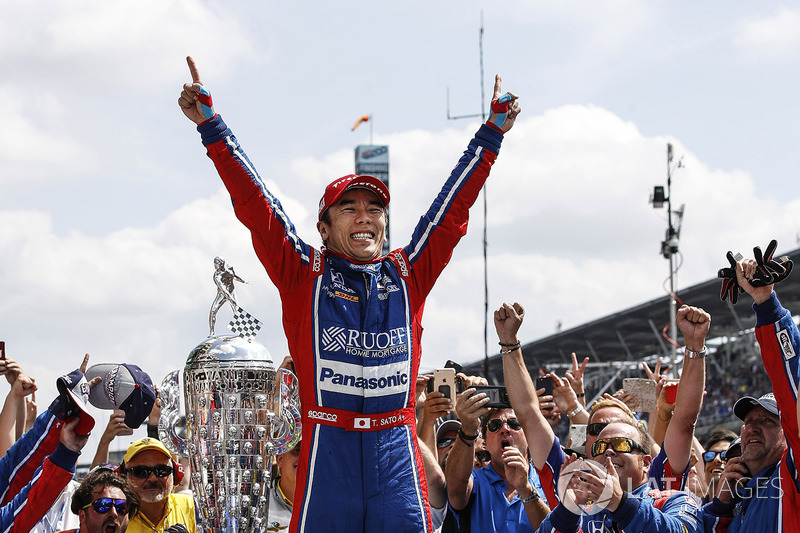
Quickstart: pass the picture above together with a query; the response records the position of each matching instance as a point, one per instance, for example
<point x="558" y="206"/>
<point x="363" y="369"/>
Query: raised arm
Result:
<point x="694" y="323"/>
<point x="445" y="222"/>
<point x="287" y="259"/>
<point x="521" y="390"/>
<point x="21" y="387"/>
<point x="779" y="339"/>
<point x="458" y="469"/>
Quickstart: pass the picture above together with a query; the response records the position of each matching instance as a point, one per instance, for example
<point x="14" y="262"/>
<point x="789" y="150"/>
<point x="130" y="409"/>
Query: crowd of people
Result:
<point x="384" y="448"/>
<point x="488" y="468"/>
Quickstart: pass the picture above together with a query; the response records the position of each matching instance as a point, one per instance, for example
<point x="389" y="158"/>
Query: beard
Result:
<point x="153" y="493"/>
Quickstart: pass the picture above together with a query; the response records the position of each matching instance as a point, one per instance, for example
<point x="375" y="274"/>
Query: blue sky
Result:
<point x="111" y="215"/>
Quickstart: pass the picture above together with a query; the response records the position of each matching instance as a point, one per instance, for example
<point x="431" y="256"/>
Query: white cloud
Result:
<point x="35" y="140"/>
<point x="771" y="36"/>
<point x="128" y="44"/>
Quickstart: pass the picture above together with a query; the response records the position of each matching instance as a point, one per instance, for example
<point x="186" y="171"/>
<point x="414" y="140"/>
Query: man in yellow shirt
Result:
<point x="149" y="467"/>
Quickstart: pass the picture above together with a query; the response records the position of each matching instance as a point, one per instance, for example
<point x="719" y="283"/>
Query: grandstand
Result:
<point x="617" y="344"/>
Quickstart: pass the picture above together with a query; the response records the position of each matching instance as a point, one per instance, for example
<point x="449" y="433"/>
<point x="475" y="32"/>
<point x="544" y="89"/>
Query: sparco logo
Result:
<point x="317" y="261"/>
<point x="401" y="262"/>
<point x="330" y="417"/>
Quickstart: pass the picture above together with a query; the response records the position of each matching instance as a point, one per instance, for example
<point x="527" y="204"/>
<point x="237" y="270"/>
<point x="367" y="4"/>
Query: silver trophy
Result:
<point x="240" y="412"/>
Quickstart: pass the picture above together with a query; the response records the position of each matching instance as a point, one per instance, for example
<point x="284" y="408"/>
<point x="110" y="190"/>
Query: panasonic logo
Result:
<point x="360" y="382"/>
<point x="367" y="381"/>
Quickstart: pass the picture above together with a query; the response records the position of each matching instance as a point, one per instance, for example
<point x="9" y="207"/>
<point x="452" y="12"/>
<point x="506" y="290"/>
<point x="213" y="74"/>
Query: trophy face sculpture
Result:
<point x="240" y="412"/>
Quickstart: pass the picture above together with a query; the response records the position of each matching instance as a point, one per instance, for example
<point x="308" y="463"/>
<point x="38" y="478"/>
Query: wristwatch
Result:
<point x="533" y="497"/>
<point x="693" y="354"/>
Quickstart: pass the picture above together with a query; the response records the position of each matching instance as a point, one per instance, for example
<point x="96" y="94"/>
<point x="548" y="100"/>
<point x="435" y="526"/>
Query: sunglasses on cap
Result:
<point x="618" y="444"/>
<point x="444" y="443"/>
<point x="595" y="428"/>
<point x="103" y="505"/>
<point x="495" y="424"/>
<point x="143" y="472"/>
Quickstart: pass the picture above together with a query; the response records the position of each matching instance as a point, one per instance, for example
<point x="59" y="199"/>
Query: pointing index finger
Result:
<point x="498" y="90"/>
<point x="193" y="70"/>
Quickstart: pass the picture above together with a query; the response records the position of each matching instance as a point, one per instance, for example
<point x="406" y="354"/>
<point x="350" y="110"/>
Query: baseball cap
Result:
<point x="125" y="387"/>
<point x="338" y="187"/>
<point x="73" y="389"/>
<point x="147" y="443"/>
<point x="746" y="403"/>
<point x="447" y="425"/>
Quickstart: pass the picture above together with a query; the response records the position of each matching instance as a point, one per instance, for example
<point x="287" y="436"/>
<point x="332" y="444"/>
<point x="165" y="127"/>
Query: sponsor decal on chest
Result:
<point x="369" y="344"/>
<point x="382" y="380"/>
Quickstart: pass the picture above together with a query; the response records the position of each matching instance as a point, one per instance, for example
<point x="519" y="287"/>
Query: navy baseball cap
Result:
<point x="73" y="390"/>
<point x="124" y="386"/>
<point x="746" y="403"/>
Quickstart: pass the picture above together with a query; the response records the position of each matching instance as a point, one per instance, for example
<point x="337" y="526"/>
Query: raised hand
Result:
<point x="507" y="320"/>
<point x="504" y="108"/>
<point x="575" y="376"/>
<point x="694" y="323"/>
<point x="195" y="101"/>
<point x="745" y="273"/>
<point x="11" y="369"/>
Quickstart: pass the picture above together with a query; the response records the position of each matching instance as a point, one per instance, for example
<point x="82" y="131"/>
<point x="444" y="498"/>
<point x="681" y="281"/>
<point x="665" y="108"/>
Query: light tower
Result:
<point x="669" y="246"/>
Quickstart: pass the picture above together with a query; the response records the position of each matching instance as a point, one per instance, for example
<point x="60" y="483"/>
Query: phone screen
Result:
<point x="545" y="383"/>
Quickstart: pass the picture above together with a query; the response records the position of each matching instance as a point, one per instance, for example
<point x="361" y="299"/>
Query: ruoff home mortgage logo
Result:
<point x="364" y="343"/>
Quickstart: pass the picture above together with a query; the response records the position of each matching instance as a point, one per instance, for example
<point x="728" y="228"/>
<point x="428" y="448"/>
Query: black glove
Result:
<point x="770" y="271"/>
<point x="176" y="528"/>
<point x="730" y="285"/>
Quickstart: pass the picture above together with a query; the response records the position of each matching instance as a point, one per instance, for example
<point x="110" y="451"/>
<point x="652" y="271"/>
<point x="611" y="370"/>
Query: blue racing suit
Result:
<point x="771" y="500"/>
<point x="33" y="473"/>
<point x="354" y="335"/>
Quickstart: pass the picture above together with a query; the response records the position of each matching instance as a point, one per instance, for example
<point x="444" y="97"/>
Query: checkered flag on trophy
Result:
<point x="244" y="324"/>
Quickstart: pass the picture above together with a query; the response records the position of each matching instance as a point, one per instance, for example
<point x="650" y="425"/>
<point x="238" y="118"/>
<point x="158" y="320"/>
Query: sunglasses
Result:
<point x="444" y="443"/>
<point x="143" y="472"/>
<point x="710" y="456"/>
<point x="103" y="505"/>
<point x="618" y="444"/>
<point x="595" y="429"/>
<point x="495" y="424"/>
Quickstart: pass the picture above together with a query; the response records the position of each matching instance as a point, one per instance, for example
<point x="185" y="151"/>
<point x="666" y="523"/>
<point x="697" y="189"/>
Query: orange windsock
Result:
<point x="364" y="118"/>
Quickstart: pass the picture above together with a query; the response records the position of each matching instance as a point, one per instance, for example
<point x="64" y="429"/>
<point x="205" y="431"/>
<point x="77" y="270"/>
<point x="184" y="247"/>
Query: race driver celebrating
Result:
<point x="352" y="318"/>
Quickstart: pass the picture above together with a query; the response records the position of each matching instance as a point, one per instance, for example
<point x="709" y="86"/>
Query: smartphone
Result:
<point x="444" y="381"/>
<point x="452" y="364"/>
<point x="545" y="383"/>
<point x="645" y="391"/>
<point x="2" y="349"/>
<point x="577" y="438"/>
<point x="498" y="396"/>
